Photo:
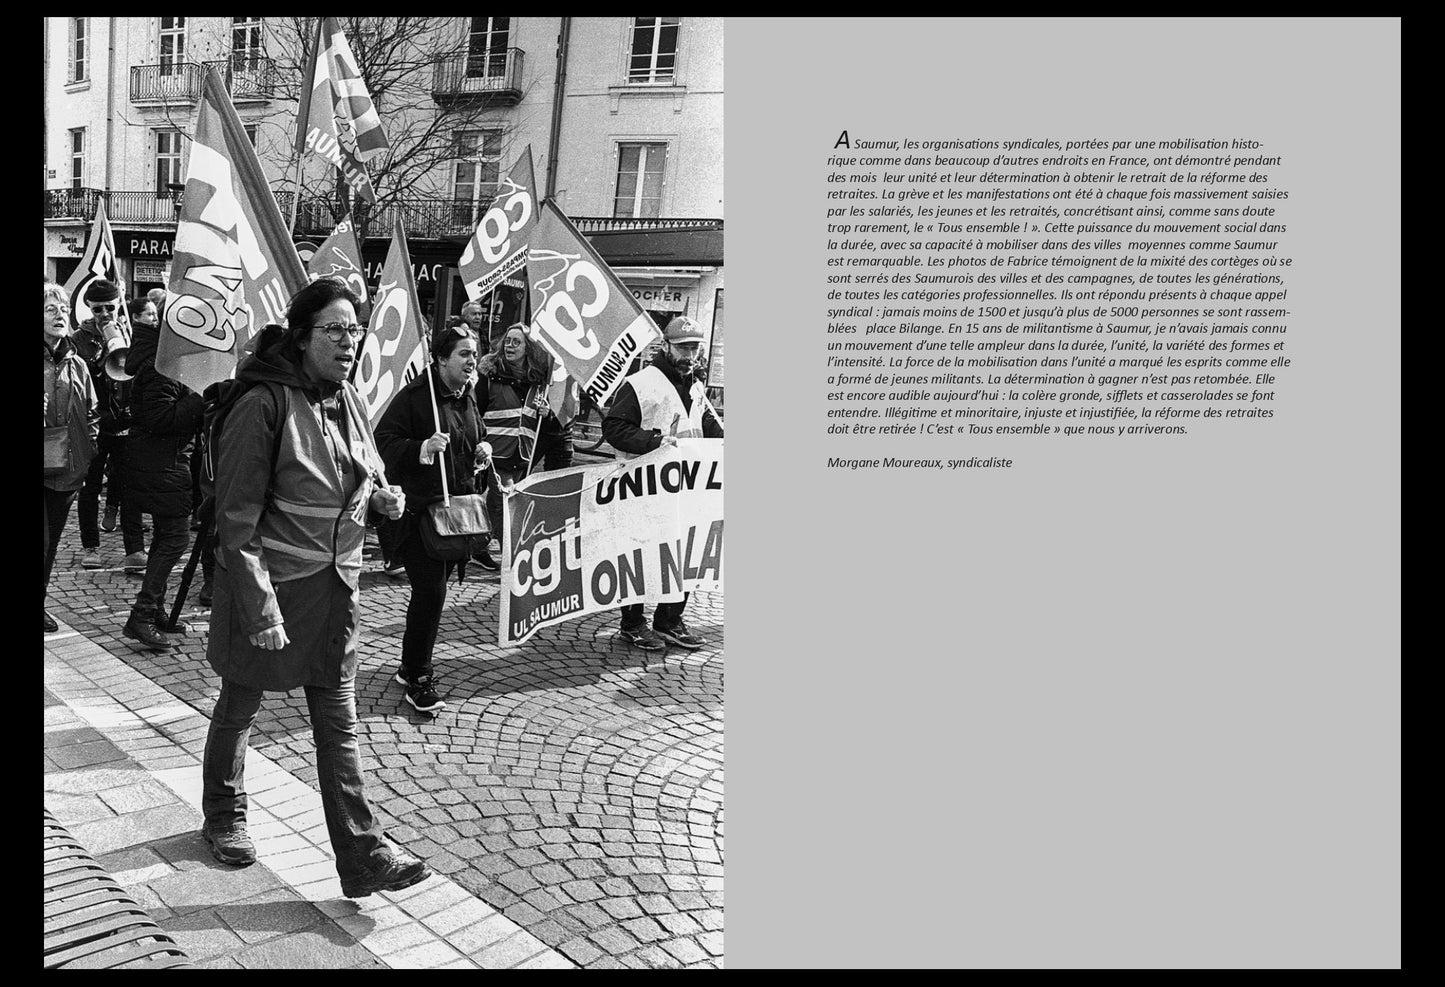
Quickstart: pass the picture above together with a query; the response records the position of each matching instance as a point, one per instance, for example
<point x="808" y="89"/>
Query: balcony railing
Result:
<point x="423" y="218"/>
<point x="249" y="77"/>
<point x="614" y="224"/>
<point x="492" y="78"/>
<point x="177" y="82"/>
<point x="120" y="207"/>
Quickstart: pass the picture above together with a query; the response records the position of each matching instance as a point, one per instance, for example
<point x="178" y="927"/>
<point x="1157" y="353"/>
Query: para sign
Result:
<point x="594" y="538"/>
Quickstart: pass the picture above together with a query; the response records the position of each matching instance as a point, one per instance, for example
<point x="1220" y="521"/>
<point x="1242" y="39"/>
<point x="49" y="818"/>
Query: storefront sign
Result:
<point x="151" y="270"/>
<point x="73" y="244"/>
<point x="145" y="244"/>
<point x="660" y="299"/>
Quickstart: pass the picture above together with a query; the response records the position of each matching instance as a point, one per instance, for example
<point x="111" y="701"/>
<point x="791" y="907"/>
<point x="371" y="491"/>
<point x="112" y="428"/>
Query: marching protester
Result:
<point x="661" y="403"/>
<point x="477" y="320"/>
<point x="103" y="299"/>
<point x="297" y="469"/>
<point x="511" y="394"/>
<point x="165" y="418"/>
<point x="72" y="425"/>
<point x="411" y="443"/>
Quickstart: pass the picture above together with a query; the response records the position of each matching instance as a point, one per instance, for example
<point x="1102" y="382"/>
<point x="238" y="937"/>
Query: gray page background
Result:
<point x="1134" y="702"/>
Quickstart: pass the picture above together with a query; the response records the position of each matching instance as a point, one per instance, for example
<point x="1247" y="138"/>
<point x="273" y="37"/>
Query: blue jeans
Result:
<point x="356" y="836"/>
<point x="171" y="538"/>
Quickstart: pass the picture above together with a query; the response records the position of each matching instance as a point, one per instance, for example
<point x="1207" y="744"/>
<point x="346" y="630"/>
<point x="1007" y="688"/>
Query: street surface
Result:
<point x="573" y="784"/>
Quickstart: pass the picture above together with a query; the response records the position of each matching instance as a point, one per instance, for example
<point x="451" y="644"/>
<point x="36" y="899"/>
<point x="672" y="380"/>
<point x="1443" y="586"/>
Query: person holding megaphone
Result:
<point x="103" y="340"/>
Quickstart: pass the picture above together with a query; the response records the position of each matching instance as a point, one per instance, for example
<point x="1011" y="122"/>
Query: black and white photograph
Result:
<point x="384" y="398"/>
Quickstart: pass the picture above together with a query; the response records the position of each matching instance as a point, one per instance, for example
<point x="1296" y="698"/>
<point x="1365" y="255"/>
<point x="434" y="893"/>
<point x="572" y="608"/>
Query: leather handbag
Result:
<point x="456" y="532"/>
<point x="59" y="456"/>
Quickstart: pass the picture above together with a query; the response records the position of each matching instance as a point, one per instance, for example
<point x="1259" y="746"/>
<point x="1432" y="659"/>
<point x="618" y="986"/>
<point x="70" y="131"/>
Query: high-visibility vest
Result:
<point x="511" y="431"/>
<point x="662" y="406"/>
<point x="310" y="524"/>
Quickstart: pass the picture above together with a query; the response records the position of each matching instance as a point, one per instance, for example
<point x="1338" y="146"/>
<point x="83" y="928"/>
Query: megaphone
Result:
<point x="117" y="345"/>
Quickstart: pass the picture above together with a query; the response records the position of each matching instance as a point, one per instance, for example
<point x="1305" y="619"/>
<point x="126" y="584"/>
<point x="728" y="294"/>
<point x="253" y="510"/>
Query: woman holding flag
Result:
<point x="431" y="427"/>
<point x="512" y="396"/>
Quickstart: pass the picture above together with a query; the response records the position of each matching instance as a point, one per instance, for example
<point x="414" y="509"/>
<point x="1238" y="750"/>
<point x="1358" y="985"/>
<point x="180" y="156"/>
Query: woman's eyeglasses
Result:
<point x="53" y="309"/>
<point x="336" y="330"/>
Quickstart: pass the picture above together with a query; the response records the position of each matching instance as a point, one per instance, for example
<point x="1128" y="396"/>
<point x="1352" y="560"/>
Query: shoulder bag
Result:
<point x="457" y="532"/>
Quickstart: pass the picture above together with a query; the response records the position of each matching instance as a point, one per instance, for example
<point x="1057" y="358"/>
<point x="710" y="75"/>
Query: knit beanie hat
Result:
<point x="101" y="291"/>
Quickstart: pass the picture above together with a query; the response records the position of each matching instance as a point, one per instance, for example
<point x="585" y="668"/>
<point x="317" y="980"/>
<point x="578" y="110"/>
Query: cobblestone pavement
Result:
<point x="573" y="783"/>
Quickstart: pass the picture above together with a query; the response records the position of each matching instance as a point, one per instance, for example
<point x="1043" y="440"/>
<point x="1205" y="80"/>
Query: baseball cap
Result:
<point x="682" y="330"/>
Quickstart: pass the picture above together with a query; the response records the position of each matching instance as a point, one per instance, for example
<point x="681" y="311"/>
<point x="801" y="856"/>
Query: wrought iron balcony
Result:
<point x="424" y="218"/>
<point x="120" y="207"/>
<point x="615" y="224"/>
<point x="176" y="82"/>
<point x="249" y="77"/>
<point x="490" y="78"/>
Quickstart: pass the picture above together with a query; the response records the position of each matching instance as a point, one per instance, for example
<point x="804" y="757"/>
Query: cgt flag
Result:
<point x="498" y="246"/>
<point x="97" y="263"/>
<point x="336" y="119"/>
<point x="234" y="265"/>
<point x="392" y="352"/>
<point x="340" y="256"/>
<point x="581" y="313"/>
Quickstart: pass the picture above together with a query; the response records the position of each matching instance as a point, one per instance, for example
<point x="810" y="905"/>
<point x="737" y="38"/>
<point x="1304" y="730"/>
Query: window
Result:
<point x="654" y="50"/>
<point x="476" y="173"/>
<point x="487" y="47"/>
<point x="168" y="160"/>
<point x="77" y="159"/>
<point x="246" y="51"/>
<point x="173" y="45"/>
<point x="639" y="180"/>
<point x="250" y="129"/>
<point x="79" y="49"/>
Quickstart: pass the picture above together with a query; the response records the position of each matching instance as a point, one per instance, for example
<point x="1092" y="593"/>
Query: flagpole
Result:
<point x="295" y="197"/>
<point x="437" y="419"/>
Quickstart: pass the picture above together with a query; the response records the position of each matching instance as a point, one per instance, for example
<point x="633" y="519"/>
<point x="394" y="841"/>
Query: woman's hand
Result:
<point x="271" y="639"/>
<point x="389" y="501"/>
<point x="432" y="446"/>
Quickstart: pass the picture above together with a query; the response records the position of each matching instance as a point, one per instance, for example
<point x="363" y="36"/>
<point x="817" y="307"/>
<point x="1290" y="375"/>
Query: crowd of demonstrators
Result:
<point x="90" y="340"/>
<point x="166" y="416"/>
<point x="411" y="443"/>
<point x="71" y="404"/>
<point x="287" y="598"/>
<point x="656" y="406"/>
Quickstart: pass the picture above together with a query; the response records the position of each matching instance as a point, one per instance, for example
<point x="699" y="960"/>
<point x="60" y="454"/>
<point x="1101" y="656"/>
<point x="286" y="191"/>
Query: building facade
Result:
<point x="624" y="116"/>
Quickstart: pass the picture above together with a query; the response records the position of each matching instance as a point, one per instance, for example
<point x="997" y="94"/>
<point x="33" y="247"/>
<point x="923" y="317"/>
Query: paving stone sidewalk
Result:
<point x="571" y="788"/>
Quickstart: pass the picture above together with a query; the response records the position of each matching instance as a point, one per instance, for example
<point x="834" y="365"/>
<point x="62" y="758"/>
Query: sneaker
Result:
<point x="421" y="695"/>
<point x="135" y="564"/>
<point x="149" y="636"/>
<point x="397" y="571"/>
<point x="107" y="523"/>
<point x="485" y="560"/>
<point x="401" y="870"/>
<point x="679" y="635"/>
<point x="230" y="846"/>
<point x="51" y="625"/>
<point x="643" y="637"/>
<point x="90" y="559"/>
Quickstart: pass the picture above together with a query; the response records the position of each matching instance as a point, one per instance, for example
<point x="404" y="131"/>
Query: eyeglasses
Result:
<point x="102" y="308"/>
<point x="335" y="330"/>
<point x="53" y="309"/>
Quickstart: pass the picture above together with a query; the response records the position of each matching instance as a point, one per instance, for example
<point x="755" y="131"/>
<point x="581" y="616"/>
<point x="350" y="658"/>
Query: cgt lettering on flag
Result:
<point x="498" y="246"/>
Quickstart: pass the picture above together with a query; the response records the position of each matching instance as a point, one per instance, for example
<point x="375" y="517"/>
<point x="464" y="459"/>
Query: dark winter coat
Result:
<point x="318" y="495"/>
<point x="408" y="422"/>
<point x="73" y="402"/>
<point x="165" y="419"/>
<point x="114" y="395"/>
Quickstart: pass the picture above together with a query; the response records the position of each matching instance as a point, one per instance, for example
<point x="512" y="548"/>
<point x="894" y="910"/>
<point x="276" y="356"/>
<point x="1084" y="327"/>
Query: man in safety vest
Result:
<point x="661" y="403"/>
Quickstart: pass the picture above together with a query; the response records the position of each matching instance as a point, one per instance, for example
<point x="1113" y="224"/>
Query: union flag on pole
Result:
<point x="234" y="266"/>
<point x="97" y="263"/>
<point x="498" y="246"/>
<point x="392" y="352"/>
<point x="340" y="256"/>
<point x="581" y="313"/>
<point x="336" y="119"/>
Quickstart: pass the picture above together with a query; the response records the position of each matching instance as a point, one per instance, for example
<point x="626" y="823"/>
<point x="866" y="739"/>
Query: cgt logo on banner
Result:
<point x="593" y="538"/>
<point x="498" y="246"/>
<point x="392" y="351"/>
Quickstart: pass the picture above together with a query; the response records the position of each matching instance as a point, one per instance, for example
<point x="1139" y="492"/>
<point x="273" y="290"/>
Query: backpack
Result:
<point x="221" y="398"/>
